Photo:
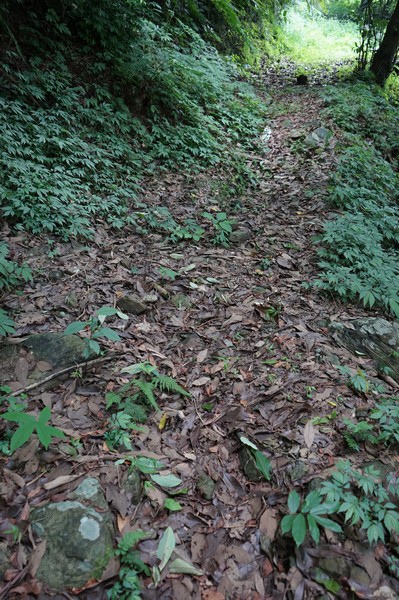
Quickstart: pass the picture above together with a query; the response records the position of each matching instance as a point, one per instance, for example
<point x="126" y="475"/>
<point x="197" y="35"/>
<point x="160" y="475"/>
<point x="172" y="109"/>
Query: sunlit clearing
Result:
<point x="312" y="38"/>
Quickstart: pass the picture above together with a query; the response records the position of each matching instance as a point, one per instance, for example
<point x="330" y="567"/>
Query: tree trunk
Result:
<point x="384" y="58"/>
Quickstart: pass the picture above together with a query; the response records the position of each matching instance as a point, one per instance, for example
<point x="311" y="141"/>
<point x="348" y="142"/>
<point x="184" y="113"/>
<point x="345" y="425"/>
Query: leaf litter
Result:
<point x="244" y="339"/>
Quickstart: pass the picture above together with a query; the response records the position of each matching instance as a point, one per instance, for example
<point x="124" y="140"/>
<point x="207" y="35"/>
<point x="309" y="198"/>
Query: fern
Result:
<point x="146" y="388"/>
<point x="168" y="384"/>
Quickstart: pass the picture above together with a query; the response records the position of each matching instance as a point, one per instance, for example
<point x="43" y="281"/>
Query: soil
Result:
<point x="248" y="342"/>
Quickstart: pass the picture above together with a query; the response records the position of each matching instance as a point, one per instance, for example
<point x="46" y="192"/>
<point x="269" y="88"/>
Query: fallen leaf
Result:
<point x="309" y="433"/>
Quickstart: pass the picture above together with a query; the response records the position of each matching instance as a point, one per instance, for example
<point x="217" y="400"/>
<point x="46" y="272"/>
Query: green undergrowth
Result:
<point x="312" y="38"/>
<point x="360" y="247"/>
<point x="81" y="127"/>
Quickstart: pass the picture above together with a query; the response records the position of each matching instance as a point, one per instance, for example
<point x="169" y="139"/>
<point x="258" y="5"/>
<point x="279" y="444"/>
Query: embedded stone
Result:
<point x="79" y="542"/>
<point x="131" y="304"/>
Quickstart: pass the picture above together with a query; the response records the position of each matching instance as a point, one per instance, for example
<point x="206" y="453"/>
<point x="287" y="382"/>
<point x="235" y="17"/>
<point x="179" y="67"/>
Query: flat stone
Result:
<point x="79" y="543"/>
<point x="57" y="349"/>
<point x="335" y="566"/>
<point x="240" y="235"/>
<point x="131" y="304"/>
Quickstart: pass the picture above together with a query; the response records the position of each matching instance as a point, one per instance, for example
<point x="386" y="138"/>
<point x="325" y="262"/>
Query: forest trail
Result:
<point x="235" y="327"/>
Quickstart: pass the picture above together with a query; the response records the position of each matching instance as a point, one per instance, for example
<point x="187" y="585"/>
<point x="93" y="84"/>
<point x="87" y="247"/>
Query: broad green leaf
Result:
<point x="139" y="368"/>
<point x="391" y="521"/>
<point x="312" y="501"/>
<point x="263" y="464"/>
<point x="44" y="415"/>
<point x="299" y="529"/>
<point x="46" y="433"/>
<point x="94" y="346"/>
<point x="294" y="501"/>
<point x="108" y="333"/>
<point x="18" y="417"/>
<point x="327" y="508"/>
<point x="148" y="465"/>
<point x="172" y="505"/>
<point x="181" y="566"/>
<point x="286" y="523"/>
<point x="165" y="548"/>
<point x="75" y="327"/>
<point x="166" y="481"/>
<point x="22" y="435"/>
<point x="107" y="311"/>
<point x="327" y="523"/>
<point x="313" y="529"/>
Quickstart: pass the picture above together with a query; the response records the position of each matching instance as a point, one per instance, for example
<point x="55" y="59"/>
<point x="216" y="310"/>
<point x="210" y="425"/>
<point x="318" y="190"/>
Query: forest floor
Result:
<point x="235" y="327"/>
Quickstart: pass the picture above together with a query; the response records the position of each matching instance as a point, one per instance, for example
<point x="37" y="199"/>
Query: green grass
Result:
<point x="312" y="39"/>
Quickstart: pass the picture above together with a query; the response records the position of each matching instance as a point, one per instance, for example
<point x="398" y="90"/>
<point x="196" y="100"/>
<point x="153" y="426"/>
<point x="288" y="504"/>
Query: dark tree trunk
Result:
<point x="384" y="58"/>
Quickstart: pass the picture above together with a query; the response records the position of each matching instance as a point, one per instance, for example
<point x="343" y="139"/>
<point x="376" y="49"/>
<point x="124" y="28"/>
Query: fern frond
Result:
<point x="168" y="384"/>
<point x="146" y="388"/>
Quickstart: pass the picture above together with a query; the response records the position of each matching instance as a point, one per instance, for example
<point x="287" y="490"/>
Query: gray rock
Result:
<point x="57" y="349"/>
<point x="375" y="337"/>
<point x="319" y="137"/>
<point x="240" y="235"/>
<point x="79" y="543"/>
<point x="89" y="490"/>
<point x="206" y="486"/>
<point x="335" y="566"/>
<point x="131" y="304"/>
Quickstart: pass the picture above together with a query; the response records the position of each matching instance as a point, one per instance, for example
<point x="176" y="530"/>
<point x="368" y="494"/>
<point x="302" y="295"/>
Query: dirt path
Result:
<point x="236" y="329"/>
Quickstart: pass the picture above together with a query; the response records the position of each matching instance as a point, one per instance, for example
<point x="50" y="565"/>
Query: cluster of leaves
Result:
<point x="134" y="399"/>
<point x="160" y="219"/>
<point x="131" y="565"/>
<point x="28" y="424"/>
<point x="11" y="274"/>
<point x="359" y="248"/>
<point x="95" y="329"/>
<point x="71" y="148"/>
<point x="381" y="426"/>
<point x="363" y="109"/>
<point x="222" y="226"/>
<point x="358" y="495"/>
<point x="128" y="585"/>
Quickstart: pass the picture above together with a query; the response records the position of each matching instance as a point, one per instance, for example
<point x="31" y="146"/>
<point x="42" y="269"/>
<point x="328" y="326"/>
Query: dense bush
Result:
<point x="119" y="95"/>
<point x="360" y="248"/>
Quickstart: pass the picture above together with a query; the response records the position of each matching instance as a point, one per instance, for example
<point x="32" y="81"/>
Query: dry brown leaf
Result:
<point x="309" y="433"/>
<point x="36" y="557"/>
<point x="201" y="381"/>
<point x="201" y="356"/>
<point x="268" y="523"/>
<point x="62" y="480"/>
